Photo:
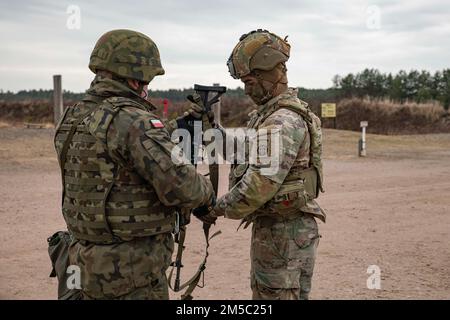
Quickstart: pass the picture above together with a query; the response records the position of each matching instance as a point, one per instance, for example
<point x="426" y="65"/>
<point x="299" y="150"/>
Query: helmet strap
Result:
<point x="124" y="81"/>
<point x="141" y="88"/>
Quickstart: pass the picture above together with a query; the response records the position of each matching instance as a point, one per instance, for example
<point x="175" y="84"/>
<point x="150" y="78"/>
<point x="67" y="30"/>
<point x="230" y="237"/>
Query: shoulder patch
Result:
<point x="156" y="123"/>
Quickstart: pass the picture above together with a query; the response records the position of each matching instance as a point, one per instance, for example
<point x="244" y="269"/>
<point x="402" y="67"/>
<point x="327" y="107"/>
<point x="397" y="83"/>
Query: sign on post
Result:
<point x="328" y="110"/>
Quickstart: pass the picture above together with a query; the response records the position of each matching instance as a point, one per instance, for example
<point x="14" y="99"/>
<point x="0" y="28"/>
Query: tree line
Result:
<point x="171" y="94"/>
<point x="418" y="86"/>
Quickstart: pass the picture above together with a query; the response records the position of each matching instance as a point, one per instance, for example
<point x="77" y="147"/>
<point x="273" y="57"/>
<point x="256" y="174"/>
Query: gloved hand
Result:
<point x="205" y="212"/>
<point x="197" y="110"/>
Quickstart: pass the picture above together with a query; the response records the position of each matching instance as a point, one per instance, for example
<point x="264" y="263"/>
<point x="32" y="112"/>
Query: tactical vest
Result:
<point x="313" y="175"/>
<point x="104" y="200"/>
<point x="301" y="185"/>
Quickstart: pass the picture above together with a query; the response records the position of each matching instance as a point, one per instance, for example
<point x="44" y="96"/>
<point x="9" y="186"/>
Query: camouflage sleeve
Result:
<point x="171" y="125"/>
<point x="279" y="140"/>
<point x="143" y="143"/>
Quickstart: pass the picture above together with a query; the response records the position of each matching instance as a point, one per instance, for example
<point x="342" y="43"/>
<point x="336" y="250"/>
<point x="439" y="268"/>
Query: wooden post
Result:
<point x="216" y="108"/>
<point x="58" y="106"/>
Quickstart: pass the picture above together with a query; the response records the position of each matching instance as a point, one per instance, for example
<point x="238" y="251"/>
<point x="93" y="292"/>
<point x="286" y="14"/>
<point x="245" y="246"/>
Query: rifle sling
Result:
<point x="192" y="283"/>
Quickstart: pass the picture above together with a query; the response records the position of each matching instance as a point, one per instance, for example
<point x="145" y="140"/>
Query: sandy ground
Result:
<point x="390" y="209"/>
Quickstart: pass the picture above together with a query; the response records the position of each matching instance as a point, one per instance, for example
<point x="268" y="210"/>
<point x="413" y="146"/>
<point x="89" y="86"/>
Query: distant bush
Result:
<point x="26" y="111"/>
<point x="386" y="117"/>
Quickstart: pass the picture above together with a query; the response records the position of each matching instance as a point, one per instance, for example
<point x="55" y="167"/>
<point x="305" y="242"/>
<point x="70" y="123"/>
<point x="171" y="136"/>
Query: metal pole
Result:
<point x="57" y="98"/>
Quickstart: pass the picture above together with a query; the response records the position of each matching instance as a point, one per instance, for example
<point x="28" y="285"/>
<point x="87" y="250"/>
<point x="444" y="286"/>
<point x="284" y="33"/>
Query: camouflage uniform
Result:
<point x="284" y="237"/>
<point x="280" y="203"/>
<point x="121" y="189"/>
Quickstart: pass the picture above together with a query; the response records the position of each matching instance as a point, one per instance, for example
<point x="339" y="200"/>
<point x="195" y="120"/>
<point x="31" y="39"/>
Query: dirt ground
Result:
<point x="390" y="209"/>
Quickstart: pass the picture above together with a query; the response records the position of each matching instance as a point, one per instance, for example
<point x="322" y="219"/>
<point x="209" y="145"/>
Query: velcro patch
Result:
<point x="156" y="123"/>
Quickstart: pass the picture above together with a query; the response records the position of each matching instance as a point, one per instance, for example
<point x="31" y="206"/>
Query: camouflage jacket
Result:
<point x="135" y="148"/>
<point x="250" y="188"/>
<point x="148" y="186"/>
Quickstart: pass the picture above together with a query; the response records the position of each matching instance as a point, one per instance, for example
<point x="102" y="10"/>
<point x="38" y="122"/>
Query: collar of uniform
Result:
<point x="290" y="92"/>
<point x="104" y="88"/>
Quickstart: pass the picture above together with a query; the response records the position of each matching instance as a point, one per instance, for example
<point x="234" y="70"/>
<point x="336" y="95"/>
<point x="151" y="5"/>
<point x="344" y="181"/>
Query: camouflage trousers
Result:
<point x="130" y="270"/>
<point x="283" y="252"/>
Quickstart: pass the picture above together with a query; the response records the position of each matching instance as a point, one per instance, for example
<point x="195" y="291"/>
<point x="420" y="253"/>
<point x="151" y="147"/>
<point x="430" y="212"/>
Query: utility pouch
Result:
<point x="290" y="198"/>
<point x="58" y="250"/>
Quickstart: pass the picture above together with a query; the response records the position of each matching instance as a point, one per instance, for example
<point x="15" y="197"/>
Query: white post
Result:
<point x="362" y="141"/>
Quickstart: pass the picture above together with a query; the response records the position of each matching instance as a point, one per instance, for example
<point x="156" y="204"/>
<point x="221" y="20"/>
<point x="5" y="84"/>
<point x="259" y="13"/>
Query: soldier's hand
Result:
<point x="205" y="218"/>
<point x="197" y="109"/>
<point x="205" y="212"/>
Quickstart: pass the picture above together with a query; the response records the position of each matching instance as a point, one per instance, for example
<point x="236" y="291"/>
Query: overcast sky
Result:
<point x="195" y="38"/>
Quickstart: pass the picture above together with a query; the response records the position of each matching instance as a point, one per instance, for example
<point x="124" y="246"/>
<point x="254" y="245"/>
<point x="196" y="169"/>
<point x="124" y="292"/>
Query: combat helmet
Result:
<point x="128" y="54"/>
<point x="259" y="49"/>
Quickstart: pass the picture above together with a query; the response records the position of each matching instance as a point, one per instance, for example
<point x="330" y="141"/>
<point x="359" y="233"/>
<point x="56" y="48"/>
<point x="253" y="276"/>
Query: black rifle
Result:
<point x="209" y="96"/>
<point x="204" y="92"/>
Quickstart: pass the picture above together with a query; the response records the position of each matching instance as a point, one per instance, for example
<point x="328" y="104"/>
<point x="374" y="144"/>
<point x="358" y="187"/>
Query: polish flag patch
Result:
<point x="156" y="123"/>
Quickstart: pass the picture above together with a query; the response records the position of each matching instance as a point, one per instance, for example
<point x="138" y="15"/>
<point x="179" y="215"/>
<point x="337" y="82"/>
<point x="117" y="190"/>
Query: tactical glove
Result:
<point x="204" y="213"/>
<point x="197" y="109"/>
<point x="195" y="112"/>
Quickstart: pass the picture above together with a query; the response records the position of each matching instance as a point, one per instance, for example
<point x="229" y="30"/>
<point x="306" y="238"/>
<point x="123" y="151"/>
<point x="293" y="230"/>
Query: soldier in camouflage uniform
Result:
<point x="281" y="206"/>
<point x="121" y="191"/>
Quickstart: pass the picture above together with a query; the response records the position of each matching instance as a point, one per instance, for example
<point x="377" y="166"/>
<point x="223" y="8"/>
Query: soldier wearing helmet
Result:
<point x="261" y="55"/>
<point x="280" y="204"/>
<point x="121" y="191"/>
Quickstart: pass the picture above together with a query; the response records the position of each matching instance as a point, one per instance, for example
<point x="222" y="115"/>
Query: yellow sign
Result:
<point x="328" y="110"/>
